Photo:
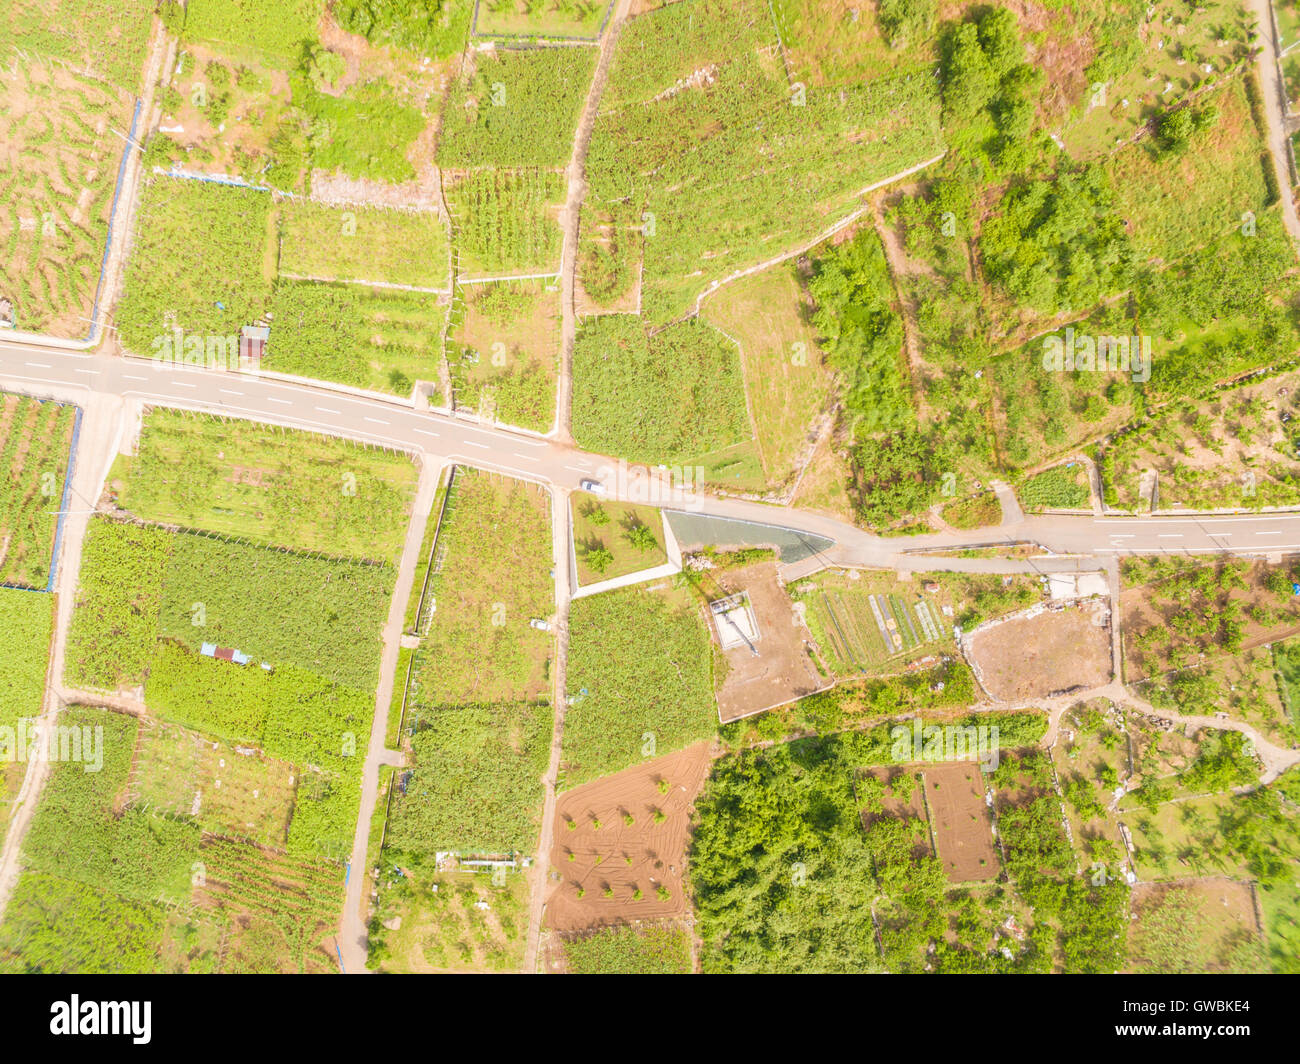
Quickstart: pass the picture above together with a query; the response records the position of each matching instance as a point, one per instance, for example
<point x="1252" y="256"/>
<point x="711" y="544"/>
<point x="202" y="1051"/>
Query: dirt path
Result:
<point x="563" y="593"/>
<point x="353" y="934"/>
<point x="896" y="259"/>
<point x="102" y="423"/>
<point x="1270" y="79"/>
<point x="576" y="173"/>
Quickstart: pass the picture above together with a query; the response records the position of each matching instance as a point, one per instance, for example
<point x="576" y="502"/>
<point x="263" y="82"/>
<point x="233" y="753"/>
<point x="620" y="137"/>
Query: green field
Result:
<point x="610" y="526"/>
<point x="327" y="243"/>
<point x="541" y="18"/>
<point x="517" y="109"/>
<point x="640" y="675"/>
<point x="107" y="36"/>
<point x="269" y="485"/>
<point x="665" y="398"/>
<point x="704" y="145"/>
<point x="378" y="338"/>
<point x="197" y="245"/>
<point x="629" y="951"/>
<point x="505" y="221"/>
<point x="271" y="31"/>
<point x="35" y="444"/>
<point x="27" y="618"/>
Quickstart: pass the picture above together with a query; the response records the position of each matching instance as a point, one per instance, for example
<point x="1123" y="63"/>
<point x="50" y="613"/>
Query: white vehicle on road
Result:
<point x="593" y="486"/>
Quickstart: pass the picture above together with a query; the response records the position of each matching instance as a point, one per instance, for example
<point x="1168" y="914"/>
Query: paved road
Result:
<point x="77" y="377"/>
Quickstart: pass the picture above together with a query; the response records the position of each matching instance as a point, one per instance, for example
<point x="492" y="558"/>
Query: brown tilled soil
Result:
<point x="782" y="671"/>
<point x="963" y="830"/>
<point x="1034" y="657"/>
<point x="601" y="855"/>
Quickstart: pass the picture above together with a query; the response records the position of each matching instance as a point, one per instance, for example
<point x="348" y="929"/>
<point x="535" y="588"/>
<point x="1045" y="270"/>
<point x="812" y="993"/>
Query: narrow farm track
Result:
<point x="101" y="430"/>
<point x="563" y="597"/>
<point x="353" y="934"/>
<point x="576" y="174"/>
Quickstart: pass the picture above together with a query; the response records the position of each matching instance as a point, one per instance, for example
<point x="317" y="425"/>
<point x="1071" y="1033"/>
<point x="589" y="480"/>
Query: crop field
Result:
<point x="1173" y="207"/>
<point x="491" y="576"/>
<point x="704" y="145"/>
<point x="107" y="38"/>
<point x="272" y="486"/>
<point x="787" y="385"/>
<point x="273" y="32"/>
<point x="515" y="108"/>
<point x="449" y="921"/>
<point x="197" y="263"/>
<point x="326" y="243"/>
<point x="610" y="527"/>
<point x="647" y="949"/>
<point x="505" y="352"/>
<point x="826" y="44"/>
<point x="1231" y="450"/>
<point x="180" y="773"/>
<point x="541" y="18"/>
<point x="27" y="618"/>
<point x="1196" y="927"/>
<point x="621" y="844"/>
<point x="505" y="221"/>
<point x="1178" y="612"/>
<point x="640" y="672"/>
<point x="382" y="339"/>
<point x="59" y="159"/>
<point x="663" y="398"/>
<point x="35" y="445"/>
<point x="1064" y="487"/>
<point x="869" y="621"/>
<point x="476" y="784"/>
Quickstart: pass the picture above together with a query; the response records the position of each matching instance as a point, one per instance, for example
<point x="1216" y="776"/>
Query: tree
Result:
<point x="642" y="538"/>
<point x="599" y="559"/>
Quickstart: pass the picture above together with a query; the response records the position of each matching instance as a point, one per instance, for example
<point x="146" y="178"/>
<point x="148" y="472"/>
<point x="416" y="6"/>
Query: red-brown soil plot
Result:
<point x="963" y="831"/>
<point x="608" y="859"/>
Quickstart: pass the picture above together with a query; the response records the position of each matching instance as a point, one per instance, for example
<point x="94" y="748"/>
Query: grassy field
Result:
<point x="35" y="445"/>
<point x="641" y="678"/>
<point x="59" y="164"/>
<point x="785" y="380"/>
<point x="363" y="244"/>
<point x="505" y="352"/>
<point x="505" y="221"/>
<point x="272" y="486"/>
<point x="377" y="338"/>
<point x="273" y="32"/>
<point x="608" y="526"/>
<point x="196" y="264"/>
<point x="541" y="18"/>
<point x="1172" y="205"/>
<point x="492" y="576"/>
<point x="28" y="619"/>
<point x="703" y="145"/>
<point x="664" y="398"/>
<point x="516" y="108"/>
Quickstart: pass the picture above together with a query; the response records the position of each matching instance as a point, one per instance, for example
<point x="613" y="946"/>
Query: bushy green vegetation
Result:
<point x="269" y="485"/>
<point x="367" y="131"/>
<point x="35" y="441"/>
<point x="644" y="661"/>
<point x="195" y="263"/>
<point x="363" y="244"/>
<point x="377" y="338"/>
<point x="1060" y="488"/>
<point x="504" y="221"/>
<point x="664" y="398"/>
<point x="629" y="951"/>
<point x="516" y="109"/>
<point x="435" y="28"/>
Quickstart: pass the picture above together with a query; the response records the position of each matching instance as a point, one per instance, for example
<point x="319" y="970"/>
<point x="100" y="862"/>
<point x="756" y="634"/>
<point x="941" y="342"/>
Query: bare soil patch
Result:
<point x="1226" y="906"/>
<point x="782" y="670"/>
<point x="612" y="859"/>
<point x="1044" y="652"/>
